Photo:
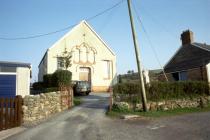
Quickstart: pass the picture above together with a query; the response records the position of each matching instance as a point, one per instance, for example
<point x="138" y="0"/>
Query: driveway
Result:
<point x="89" y="122"/>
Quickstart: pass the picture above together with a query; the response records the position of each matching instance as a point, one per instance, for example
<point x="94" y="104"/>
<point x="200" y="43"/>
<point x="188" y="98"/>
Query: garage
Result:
<point x="14" y="79"/>
<point x="7" y="85"/>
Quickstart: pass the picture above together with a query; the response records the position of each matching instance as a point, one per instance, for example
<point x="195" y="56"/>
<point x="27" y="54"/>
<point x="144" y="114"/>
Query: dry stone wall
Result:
<point x="166" y="104"/>
<point x="39" y="107"/>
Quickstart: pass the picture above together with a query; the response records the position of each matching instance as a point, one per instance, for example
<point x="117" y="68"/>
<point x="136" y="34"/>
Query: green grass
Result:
<point x="157" y="114"/>
<point x="77" y="101"/>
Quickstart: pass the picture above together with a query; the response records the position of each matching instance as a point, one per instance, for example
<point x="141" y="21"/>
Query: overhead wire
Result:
<point x="149" y="41"/>
<point x="107" y="20"/>
<point x="154" y="19"/>
<point x="63" y="29"/>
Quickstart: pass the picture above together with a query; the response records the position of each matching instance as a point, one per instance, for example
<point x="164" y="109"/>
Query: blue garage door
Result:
<point x="7" y="85"/>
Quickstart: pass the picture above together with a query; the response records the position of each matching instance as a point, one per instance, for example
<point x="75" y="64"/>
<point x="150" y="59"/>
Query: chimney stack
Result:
<point x="187" y="37"/>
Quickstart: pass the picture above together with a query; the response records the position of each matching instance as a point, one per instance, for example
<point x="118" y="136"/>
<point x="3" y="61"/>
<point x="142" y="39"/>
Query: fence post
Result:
<point x="1" y="112"/>
<point x="6" y="113"/>
<point x="11" y="113"/>
<point x="20" y="112"/>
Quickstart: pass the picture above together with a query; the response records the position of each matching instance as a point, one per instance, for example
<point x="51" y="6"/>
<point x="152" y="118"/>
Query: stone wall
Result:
<point x="167" y="104"/>
<point x="39" y="107"/>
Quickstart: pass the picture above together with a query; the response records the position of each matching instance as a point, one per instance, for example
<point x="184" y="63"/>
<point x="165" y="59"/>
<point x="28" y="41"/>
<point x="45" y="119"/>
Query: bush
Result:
<point x="161" y="90"/>
<point x="177" y="90"/>
<point x="128" y="92"/>
<point x="38" y="86"/>
<point x="48" y="80"/>
<point x="50" y="89"/>
<point x="61" y="78"/>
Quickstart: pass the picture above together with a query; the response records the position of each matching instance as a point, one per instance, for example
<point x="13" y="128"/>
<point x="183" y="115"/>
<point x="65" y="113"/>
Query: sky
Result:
<point x="163" y="21"/>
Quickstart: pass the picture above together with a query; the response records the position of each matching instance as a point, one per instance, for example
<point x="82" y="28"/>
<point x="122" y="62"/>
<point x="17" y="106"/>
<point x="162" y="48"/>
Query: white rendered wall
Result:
<point x="23" y="81"/>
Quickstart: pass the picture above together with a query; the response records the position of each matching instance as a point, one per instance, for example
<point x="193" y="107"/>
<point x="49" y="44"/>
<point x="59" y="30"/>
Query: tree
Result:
<point x="66" y="58"/>
<point x="130" y="72"/>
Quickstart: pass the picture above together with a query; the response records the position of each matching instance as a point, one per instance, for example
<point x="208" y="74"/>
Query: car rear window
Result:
<point x="83" y="83"/>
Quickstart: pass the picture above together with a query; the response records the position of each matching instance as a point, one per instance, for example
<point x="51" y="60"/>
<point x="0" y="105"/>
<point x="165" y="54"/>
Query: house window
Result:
<point x="180" y="76"/>
<point x="60" y="63"/>
<point x="175" y="76"/>
<point x="106" y="67"/>
<point x="183" y="76"/>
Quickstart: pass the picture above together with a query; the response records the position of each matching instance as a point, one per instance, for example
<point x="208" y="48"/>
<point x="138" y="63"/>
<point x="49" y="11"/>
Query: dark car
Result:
<point x="82" y="87"/>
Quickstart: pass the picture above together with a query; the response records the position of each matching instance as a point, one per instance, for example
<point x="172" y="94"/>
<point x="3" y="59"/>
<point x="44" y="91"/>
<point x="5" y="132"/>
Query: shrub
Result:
<point x="50" y="89"/>
<point x="48" y="81"/>
<point x="38" y="86"/>
<point x="128" y="92"/>
<point x="161" y="90"/>
<point x="176" y="90"/>
<point x="61" y="77"/>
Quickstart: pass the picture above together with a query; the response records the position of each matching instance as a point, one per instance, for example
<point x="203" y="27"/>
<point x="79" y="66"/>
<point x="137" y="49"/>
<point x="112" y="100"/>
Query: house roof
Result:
<point x="68" y="33"/>
<point x="188" y="57"/>
<point x="14" y="64"/>
<point x="202" y="46"/>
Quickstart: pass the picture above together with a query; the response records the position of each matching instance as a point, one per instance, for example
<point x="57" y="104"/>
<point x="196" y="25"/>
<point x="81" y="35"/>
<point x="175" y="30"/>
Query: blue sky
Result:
<point x="164" y="21"/>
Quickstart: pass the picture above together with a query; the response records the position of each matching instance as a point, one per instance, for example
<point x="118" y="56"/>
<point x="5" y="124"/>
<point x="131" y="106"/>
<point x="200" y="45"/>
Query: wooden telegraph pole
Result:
<point x="141" y="80"/>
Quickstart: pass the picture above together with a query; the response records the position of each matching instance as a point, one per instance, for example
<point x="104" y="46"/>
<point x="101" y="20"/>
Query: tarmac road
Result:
<point x="89" y="122"/>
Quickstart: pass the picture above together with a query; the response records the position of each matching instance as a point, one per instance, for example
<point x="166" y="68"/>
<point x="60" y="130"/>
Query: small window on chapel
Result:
<point x="60" y="63"/>
<point x="106" y="68"/>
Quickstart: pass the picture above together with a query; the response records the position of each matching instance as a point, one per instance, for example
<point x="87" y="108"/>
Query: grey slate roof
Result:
<point x="14" y="64"/>
<point x="203" y="46"/>
<point x="189" y="56"/>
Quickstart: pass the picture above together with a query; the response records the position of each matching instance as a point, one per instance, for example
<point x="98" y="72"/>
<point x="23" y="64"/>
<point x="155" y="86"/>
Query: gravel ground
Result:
<point x="89" y="122"/>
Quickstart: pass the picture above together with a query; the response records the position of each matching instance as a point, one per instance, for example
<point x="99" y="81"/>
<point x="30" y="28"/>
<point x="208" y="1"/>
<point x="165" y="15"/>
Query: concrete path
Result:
<point x="9" y="132"/>
<point x="89" y="122"/>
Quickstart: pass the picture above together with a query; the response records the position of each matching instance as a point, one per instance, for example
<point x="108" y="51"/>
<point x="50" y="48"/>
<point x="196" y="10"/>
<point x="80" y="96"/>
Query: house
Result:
<point x="14" y="79"/>
<point x="190" y="62"/>
<point x="92" y="59"/>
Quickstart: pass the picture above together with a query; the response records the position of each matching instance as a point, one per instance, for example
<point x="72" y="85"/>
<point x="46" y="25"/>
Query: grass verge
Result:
<point x="157" y="114"/>
<point x="77" y="101"/>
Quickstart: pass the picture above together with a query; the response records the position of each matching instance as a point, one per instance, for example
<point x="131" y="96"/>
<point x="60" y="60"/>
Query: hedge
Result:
<point x="38" y="85"/>
<point x="51" y="82"/>
<point x="163" y="90"/>
<point x="50" y="89"/>
<point x="48" y="80"/>
<point x="61" y="77"/>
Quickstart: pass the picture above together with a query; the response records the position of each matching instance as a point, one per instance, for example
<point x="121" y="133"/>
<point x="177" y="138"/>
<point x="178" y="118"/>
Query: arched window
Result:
<point x="91" y="56"/>
<point x="76" y="55"/>
<point x="83" y="54"/>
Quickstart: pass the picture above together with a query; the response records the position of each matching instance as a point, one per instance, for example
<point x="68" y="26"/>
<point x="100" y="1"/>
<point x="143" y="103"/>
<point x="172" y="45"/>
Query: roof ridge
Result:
<point x="199" y="45"/>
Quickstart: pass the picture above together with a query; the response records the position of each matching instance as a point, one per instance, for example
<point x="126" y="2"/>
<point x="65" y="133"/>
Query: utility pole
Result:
<point x="141" y="80"/>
